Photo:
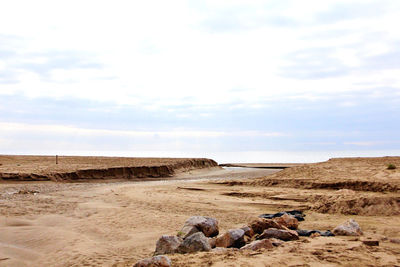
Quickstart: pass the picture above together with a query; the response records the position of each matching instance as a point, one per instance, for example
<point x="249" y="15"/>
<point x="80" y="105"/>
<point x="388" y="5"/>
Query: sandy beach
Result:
<point x="118" y="223"/>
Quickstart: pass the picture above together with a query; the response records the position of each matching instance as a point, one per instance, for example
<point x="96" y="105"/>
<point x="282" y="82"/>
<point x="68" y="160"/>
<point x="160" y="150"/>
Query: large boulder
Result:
<point x="232" y="238"/>
<point x="350" y="228"/>
<point x="157" y="261"/>
<point x="287" y="220"/>
<point x="167" y="244"/>
<point x="207" y="225"/>
<point x="259" y="244"/>
<point x="260" y="224"/>
<point x="285" y="235"/>
<point x="196" y="242"/>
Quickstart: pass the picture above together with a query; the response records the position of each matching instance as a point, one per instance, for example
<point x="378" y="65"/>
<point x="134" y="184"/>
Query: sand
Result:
<point x="73" y="168"/>
<point x="118" y="223"/>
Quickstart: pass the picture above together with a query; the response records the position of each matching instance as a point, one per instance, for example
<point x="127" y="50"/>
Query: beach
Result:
<point x="116" y="223"/>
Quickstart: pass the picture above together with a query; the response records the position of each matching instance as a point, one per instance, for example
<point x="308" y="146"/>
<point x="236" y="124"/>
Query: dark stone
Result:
<point x="298" y="214"/>
<point x="310" y="232"/>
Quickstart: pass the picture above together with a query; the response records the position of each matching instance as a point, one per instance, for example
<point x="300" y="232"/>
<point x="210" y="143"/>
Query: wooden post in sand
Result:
<point x="56" y="159"/>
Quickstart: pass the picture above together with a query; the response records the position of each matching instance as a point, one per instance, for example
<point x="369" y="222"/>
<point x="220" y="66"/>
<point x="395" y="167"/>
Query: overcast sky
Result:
<point x="185" y="78"/>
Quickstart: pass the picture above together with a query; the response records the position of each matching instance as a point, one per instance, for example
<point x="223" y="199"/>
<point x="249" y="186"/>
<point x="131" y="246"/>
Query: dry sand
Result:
<point x="116" y="224"/>
<point x="73" y="168"/>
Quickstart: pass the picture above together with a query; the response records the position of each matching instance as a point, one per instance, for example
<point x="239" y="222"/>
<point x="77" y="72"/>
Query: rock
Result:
<point x="188" y="230"/>
<point x="248" y="231"/>
<point x="350" y="228"/>
<point x="232" y="238"/>
<point x="287" y="220"/>
<point x="260" y="224"/>
<point x="167" y="244"/>
<point x="285" y="235"/>
<point x="157" y="261"/>
<point x="193" y="243"/>
<point x="258" y="244"/>
<point x="298" y="214"/>
<point x="276" y="242"/>
<point x="207" y="225"/>
<point x="310" y="232"/>
<point x="371" y="242"/>
<point x="212" y="241"/>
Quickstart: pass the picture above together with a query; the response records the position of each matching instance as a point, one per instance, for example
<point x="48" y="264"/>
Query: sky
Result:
<point x="234" y="80"/>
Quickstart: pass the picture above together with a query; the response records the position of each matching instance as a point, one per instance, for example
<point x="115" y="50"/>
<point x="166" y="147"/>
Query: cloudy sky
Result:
<point x="199" y="78"/>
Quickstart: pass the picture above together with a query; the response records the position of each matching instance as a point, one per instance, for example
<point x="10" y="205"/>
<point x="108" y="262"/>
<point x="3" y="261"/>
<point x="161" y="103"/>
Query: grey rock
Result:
<point x="348" y="228"/>
<point x="207" y="225"/>
<point x="167" y="244"/>
<point x="196" y="242"/>
<point x="188" y="230"/>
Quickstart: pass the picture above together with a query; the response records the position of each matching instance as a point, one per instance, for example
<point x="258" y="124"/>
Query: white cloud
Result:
<point x="65" y="130"/>
<point x="156" y="53"/>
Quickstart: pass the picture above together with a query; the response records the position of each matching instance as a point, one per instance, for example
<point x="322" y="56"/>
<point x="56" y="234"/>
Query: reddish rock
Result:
<point x="260" y="224"/>
<point x="167" y="244"/>
<point x="259" y="244"/>
<point x="232" y="238"/>
<point x="285" y="235"/>
<point x="157" y="261"/>
<point x="287" y="220"/>
<point x="349" y="228"/>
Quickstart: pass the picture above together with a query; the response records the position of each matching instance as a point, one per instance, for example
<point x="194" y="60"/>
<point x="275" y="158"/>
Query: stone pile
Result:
<point x="201" y="233"/>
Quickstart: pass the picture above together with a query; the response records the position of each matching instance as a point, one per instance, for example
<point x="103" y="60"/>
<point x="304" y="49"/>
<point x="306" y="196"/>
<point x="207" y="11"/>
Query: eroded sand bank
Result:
<point x="73" y="168"/>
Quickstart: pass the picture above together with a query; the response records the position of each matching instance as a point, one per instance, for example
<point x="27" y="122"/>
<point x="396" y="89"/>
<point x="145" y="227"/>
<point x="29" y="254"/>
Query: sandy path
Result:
<point x="99" y="224"/>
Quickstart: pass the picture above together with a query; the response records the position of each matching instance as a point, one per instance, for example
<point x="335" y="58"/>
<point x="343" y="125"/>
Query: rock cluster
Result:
<point x="200" y="233"/>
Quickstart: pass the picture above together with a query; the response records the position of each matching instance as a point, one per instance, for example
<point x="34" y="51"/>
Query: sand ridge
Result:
<point x="67" y="168"/>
